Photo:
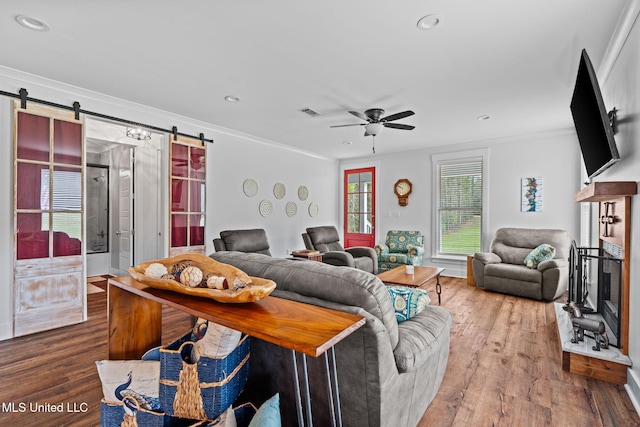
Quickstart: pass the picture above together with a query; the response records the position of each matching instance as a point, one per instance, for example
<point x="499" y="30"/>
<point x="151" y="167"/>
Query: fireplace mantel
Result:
<point x="604" y="191"/>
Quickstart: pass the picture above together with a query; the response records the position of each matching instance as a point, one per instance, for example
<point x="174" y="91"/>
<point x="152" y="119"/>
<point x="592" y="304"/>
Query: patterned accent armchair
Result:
<point x="400" y="248"/>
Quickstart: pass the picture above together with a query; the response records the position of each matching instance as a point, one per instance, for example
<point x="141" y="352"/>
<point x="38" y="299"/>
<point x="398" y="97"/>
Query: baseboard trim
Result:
<point x="633" y="389"/>
<point x="6" y="331"/>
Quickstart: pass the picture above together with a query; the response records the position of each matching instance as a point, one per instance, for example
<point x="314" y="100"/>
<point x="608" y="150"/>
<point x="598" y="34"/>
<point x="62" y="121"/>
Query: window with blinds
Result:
<point x="66" y="201"/>
<point x="459" y="206"/>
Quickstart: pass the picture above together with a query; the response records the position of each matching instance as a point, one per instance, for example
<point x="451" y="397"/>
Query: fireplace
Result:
<point x="610" y="289"/>
<point x="599" y="279"/>
<point x="595" y="285"/>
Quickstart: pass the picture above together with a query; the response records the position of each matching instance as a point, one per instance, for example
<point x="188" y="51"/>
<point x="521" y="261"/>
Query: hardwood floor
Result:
<point x="504" y="369"/>
<point x="58" y="367"/>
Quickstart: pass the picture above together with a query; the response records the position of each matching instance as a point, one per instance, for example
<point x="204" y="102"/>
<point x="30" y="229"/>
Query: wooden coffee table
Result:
<point x="420" y="276"/>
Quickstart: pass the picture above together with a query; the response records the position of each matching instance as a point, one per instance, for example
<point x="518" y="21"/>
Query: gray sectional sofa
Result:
<point x="388" y="372"/>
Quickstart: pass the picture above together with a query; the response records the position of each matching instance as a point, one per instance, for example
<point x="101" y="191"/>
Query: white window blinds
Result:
<point x="459" y="207"/>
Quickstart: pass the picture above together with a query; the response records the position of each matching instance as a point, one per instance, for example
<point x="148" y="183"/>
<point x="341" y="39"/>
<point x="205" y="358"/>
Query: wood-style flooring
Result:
<point x="504" y="369"/>
<point x="58" y="367"/>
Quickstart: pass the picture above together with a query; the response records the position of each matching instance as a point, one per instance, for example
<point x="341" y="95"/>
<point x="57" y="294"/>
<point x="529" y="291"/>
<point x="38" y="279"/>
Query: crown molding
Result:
<point x="618" y="38"/>
<point x="65" y="93"/>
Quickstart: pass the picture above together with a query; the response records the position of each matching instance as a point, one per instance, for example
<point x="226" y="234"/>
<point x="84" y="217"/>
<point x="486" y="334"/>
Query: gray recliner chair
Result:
<point x="254" y="241"/>
<point x="327" y="240"/>
<point x="503" y="270"/>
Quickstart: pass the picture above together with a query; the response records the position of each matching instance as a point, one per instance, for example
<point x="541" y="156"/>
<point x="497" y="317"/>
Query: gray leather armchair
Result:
<point x="254" y="240"/>
<point x="327" y="240"/>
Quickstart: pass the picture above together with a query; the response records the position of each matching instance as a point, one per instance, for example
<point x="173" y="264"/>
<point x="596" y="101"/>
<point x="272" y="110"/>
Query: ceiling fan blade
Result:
<point x="359" y="115"/>
<point x="352" y="124"/>
<point x="397" y="116"/>
<point x="398" y="126"/>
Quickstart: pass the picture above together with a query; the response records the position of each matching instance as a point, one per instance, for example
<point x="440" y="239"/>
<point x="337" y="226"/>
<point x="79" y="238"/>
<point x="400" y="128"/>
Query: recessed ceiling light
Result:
<point x="484" y="117"/>
<point x="429" y="22"/>
<point x="347" y="142"/>
<point x="231" y="98"/>
<point x="32" y="23"/>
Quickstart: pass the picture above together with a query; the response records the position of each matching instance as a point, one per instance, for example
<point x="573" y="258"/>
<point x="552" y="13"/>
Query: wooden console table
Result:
<point x="135" y="325"/>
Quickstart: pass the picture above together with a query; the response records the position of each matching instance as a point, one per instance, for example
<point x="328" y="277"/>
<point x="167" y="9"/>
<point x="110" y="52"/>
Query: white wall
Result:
<point x="554" y="157"/>
<point x="622" y="90"/>
<point x="232" y="158"/>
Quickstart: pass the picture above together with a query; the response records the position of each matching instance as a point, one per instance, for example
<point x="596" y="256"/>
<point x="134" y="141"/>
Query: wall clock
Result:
<point x="402" y="188"/>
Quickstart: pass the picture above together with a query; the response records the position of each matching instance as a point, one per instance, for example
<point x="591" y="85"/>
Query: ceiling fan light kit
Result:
<point x="373" y="128"/>
<point x="375" y="122"/>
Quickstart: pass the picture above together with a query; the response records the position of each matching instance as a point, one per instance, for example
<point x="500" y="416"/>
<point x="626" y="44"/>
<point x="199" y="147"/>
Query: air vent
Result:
<point x="309" y="112"/>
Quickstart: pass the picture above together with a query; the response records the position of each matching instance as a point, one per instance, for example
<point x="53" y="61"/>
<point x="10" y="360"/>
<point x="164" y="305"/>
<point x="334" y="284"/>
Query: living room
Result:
<point x="236" y="156"/>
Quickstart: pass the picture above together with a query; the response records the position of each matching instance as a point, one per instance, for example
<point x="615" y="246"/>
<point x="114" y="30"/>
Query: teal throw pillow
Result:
<point x="539" y="254"/>
<point x="407" y="302"/>
<point x="268" y="414"/>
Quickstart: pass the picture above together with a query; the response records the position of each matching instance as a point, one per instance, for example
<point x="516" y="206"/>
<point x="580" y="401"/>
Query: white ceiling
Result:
<point x="512" y="60"/>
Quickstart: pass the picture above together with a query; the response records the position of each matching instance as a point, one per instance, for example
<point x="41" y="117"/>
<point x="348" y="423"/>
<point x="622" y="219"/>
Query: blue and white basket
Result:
<point x="204" y="389"/>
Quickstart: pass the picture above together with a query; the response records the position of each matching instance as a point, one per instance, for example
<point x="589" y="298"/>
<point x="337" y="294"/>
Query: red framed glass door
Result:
<point x="49" y="287"/>
<point x="188" y="178"/>
<point x="359" y="207"/>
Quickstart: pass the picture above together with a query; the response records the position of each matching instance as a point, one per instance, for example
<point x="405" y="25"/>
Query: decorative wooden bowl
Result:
<point x="257" y="289"/>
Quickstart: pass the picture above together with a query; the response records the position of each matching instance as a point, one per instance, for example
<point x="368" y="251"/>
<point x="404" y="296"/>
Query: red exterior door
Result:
<point x="359" y="207"/>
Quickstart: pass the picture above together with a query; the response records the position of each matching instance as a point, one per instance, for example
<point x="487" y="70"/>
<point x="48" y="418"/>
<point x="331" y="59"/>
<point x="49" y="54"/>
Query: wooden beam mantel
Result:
<point x="603" y="191"/>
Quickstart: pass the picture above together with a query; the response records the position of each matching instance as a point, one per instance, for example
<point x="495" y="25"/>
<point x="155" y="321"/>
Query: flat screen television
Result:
<point x="591" y="120"/>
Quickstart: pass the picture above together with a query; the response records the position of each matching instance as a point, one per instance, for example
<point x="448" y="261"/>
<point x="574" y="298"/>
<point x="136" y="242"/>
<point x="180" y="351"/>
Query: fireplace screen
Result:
<point x="597" y="273"/>
<point x="609" y="287"/>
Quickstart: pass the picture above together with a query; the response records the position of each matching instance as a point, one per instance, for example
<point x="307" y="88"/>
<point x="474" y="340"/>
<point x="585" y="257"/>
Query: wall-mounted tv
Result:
<point x="592" y="121"/>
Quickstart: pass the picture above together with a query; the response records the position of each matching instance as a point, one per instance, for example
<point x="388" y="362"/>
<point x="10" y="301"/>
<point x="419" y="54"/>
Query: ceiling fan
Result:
<point x="375" y="122"/>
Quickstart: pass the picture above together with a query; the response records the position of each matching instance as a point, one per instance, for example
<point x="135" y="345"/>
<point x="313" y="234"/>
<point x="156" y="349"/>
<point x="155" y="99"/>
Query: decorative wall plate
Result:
<point x="303" y="192"/>
<point x="292" y="209"/>
<point x="250" y="187"/>
<point x="265" y="208"/>
<point x="279" y="190"/>
<point x="313" y="209"/>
